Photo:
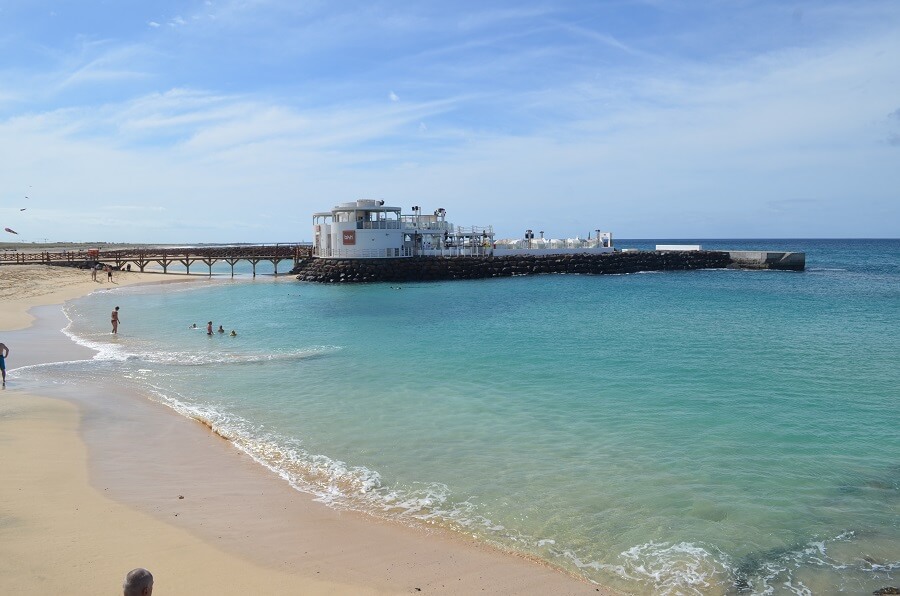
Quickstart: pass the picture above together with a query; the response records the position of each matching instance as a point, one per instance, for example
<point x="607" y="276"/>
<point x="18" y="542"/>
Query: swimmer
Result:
<point x="194" y="326"/>
<point x="220" y="329"/>
<point x="209" y="328"/>
<point x="233" y="333"/>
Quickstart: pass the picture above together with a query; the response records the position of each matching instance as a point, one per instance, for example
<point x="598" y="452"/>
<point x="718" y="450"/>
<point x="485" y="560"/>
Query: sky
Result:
<point x="234" y="120"/>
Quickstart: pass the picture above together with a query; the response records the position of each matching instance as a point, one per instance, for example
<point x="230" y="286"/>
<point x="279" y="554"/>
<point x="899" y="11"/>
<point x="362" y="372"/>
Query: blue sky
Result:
<point x="233" y="121"/>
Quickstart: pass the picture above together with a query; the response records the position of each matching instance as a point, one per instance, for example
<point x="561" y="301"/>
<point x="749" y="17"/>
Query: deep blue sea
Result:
<point x="705" y="432"/>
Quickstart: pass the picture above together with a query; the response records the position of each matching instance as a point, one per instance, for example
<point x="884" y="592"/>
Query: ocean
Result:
<point x="703" y="432"/>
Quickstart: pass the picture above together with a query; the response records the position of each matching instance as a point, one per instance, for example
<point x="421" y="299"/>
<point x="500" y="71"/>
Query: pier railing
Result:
<point x="141" y="257"/>
<point x="363" y="253"/>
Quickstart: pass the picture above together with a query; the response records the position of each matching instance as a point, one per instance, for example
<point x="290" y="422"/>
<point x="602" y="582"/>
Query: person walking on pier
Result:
<point x="115" y="320"/>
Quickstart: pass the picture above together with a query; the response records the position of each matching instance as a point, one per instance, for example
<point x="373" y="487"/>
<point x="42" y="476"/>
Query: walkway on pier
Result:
<point x="165" y="256"/>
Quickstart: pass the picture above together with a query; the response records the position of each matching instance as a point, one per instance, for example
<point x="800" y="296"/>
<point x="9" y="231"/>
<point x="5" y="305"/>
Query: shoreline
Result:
<point x="139" y="457"/>
<point x="22" y="287"/>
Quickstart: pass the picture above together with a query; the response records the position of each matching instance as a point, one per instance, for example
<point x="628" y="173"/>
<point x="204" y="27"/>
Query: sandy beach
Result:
<point x="90" y="492"/>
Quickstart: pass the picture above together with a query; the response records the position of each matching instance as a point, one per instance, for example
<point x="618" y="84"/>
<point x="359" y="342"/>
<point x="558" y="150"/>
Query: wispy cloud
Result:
<point x="651" y="129"/>
<point x="602" y="38"/>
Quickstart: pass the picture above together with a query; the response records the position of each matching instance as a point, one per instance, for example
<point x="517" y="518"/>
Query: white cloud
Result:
<point x="153" y="24"/>
<point x="662" y="147"/>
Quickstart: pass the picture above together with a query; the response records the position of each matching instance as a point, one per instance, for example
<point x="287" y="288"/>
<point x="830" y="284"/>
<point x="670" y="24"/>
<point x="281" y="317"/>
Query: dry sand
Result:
<point x="23" y="287"/>
<point x="89" y="492"/>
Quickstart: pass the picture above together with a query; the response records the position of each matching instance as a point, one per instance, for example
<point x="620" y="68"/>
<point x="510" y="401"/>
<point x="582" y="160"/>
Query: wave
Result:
<point x="675" y="568"/>
<point x="110" y="348"/>
<point x="336" y="483"/>
<point x="687" y="568"/>
<point x="107" y="350"/>
<point x="192" y="358"/>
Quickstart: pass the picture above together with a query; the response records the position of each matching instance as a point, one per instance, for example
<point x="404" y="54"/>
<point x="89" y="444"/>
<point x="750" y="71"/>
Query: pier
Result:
<point x="141" y="257"/>
<point x="585" y="263"/>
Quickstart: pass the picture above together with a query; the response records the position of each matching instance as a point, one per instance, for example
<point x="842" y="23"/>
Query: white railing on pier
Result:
<point x="475" y="231"/>
<point x="604" y="241"/>
<point x="378" y="225"/>
<point x="410" y="222"/>
<point x="364" y="253"/>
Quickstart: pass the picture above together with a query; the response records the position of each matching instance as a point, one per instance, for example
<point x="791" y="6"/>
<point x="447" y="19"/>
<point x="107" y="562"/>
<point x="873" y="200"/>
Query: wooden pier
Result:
<point x="164" y="256"/>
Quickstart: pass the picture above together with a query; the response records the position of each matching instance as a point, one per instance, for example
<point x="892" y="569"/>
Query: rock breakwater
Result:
<point x="440" y="268"/>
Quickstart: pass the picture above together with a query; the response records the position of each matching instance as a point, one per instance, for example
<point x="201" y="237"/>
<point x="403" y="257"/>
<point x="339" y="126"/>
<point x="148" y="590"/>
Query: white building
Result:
<point x="369" y="229"/>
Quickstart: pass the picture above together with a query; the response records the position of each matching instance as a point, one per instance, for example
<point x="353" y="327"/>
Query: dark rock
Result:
<point x="440" y="268"/>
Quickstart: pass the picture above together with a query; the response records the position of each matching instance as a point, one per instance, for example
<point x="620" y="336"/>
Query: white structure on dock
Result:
<point x="530" y="245"/>
<point x="369" y="229"/>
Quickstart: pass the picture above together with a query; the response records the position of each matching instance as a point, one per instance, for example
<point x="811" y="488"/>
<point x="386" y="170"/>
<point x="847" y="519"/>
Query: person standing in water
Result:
<point x="209" y="328"/>
<point x="115" y="320"/>
<point x="4" y="352"/>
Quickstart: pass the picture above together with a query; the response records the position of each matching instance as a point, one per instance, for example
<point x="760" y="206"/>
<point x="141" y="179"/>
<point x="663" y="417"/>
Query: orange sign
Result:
<point x="349" y="237"/>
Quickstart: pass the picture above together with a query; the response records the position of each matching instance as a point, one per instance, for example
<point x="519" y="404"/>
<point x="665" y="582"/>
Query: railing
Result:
<point x="458" y="250"/>
<point x="364" y="253"/>
<point x="570" y="243"/>
<point x="441" y="226"/>
<point x="475" y="230"/>
<point x="163" y="256"/>
<point x="378" y="225"/>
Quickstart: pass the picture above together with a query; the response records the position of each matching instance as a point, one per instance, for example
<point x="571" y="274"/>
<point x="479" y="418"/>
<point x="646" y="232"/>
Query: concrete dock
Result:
<point x="758" y="259"/>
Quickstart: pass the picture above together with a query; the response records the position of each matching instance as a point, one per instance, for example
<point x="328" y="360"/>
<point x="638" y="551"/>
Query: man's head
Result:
<point x="138" y="582"/>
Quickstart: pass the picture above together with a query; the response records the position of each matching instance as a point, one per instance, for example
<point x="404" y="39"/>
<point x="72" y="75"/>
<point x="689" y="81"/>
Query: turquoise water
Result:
<point x="695" y="432"/>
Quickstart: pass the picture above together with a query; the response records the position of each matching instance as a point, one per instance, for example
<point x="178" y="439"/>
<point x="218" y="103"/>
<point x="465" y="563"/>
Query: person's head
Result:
<point x="138" y="582"/>
<point x="117" y="308"/>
